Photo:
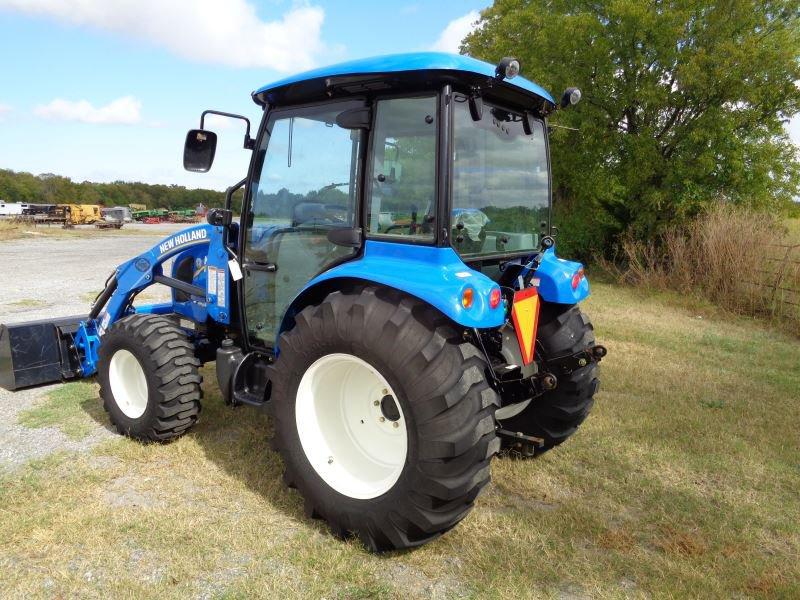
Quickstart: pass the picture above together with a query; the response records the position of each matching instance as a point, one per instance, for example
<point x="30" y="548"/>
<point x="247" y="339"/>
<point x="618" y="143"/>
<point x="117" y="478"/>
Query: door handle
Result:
<point x="256" y="266"/>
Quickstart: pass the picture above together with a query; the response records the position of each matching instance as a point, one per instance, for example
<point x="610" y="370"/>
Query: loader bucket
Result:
<point x="38" y="352"/>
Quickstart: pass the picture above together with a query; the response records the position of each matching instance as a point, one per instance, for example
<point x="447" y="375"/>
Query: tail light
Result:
<point x="577" y="278"/>
<point x="495" y="297"/>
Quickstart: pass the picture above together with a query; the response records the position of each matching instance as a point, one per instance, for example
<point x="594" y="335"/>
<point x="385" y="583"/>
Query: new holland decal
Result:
<point x="185" y="238"/>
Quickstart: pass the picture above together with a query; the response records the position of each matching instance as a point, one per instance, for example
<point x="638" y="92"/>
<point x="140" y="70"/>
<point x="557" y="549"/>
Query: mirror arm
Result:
<point x="249" y="143"/>
<point x="230" y="191"/>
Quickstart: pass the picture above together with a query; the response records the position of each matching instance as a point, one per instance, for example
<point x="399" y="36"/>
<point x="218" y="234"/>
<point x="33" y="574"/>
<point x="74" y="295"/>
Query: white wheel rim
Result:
<point x="128" y="384"/>
<point x="343" y="429"/>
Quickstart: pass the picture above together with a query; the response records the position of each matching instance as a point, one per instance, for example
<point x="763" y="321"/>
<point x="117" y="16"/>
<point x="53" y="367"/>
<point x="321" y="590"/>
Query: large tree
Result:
<point x="684" y="104"/>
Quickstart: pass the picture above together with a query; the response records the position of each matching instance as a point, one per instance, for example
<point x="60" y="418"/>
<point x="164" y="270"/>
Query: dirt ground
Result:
<point x="48" y="277"/>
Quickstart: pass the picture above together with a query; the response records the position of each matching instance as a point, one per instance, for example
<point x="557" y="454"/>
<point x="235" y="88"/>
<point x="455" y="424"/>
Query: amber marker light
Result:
<point x="467" y="297"/>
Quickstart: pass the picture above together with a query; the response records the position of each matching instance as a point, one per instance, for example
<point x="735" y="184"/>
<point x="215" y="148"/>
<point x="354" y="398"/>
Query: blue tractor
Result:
<point x="390" y="293"/>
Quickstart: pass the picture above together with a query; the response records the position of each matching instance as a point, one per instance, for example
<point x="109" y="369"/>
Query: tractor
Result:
<point x="389" y="292"/>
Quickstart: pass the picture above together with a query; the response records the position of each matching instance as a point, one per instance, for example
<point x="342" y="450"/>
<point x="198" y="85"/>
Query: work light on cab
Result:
<point x="508" y="68"/>
<point x="571" y="97"/>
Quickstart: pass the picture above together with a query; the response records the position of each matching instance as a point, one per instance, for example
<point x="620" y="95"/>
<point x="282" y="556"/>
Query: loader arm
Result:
<point x="210" y="292"/>
<point x="40" y="352"/>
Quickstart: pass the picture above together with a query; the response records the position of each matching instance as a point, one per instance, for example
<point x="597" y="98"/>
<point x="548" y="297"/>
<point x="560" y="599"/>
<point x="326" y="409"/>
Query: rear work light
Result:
<point x="495" y="297"/>
<point x="577" y="278"/>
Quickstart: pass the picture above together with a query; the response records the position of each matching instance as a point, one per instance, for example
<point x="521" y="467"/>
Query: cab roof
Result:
<point x="395" y="71"/>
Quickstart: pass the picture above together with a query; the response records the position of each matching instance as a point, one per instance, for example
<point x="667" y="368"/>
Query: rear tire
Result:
<point x="384" y="343"/>
<point x="556" y="415"/>
<point x="149" y="379"/>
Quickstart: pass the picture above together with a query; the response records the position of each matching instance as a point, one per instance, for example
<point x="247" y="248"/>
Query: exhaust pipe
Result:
<point x="39" y="352"/>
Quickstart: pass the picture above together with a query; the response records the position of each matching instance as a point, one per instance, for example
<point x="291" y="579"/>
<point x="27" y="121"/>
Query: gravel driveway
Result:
<point x="47" y="277"/>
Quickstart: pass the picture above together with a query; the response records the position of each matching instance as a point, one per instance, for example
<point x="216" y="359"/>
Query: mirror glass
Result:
<point x="199" y="150"/>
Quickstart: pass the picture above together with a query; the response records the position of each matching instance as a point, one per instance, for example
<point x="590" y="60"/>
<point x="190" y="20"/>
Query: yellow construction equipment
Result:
<point x="81" y="214"/>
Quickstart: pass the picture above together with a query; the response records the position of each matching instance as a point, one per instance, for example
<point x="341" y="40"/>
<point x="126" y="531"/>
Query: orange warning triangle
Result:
<point x="525" y="313"/>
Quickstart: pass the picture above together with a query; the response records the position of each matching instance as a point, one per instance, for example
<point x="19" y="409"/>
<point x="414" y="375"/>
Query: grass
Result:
<point x="27" y="303"/>
<point x="682" y="483"/>
<point x="10" y="230"/>
<point x="72" y="408"/>
<point x="793" y="225"/>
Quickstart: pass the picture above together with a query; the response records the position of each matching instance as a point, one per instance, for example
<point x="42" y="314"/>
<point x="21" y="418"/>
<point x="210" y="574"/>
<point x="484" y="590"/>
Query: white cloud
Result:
<point x="208" y="31"/>
<point x="456" y="30"/>
<point x="4" y="110"/>
<point x="125" y="110"/>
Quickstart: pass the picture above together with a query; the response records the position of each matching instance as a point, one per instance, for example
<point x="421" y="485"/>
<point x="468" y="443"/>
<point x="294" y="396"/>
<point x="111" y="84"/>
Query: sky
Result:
<point x="105" y="90"/>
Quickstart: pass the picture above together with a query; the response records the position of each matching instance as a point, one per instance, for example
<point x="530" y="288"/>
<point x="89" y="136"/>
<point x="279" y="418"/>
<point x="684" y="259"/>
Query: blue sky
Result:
<point x="106" y="89"/>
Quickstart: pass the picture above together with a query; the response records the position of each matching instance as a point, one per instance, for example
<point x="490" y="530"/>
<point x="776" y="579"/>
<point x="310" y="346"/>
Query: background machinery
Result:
<point x="391" y="294"/>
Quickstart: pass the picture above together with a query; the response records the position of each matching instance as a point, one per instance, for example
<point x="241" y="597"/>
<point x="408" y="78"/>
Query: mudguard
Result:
<point x="555" y="279"/>
<point x="436" y="276"/>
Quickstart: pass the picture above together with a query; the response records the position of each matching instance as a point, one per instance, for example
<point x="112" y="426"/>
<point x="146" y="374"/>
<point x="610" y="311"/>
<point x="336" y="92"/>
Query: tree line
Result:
<point x="684" y="107"/>
<point x="55" y="189"/>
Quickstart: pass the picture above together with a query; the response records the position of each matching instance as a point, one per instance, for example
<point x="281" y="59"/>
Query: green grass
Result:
<point x="682" y="483"/>
<point x="27" y="303"/>
<point x="73" y="408"/>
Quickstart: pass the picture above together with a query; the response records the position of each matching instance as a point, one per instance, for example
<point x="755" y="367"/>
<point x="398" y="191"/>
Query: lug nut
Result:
<point x="382" y="419"/>
<point x="395" y="424"/>
<point x="376" y="403"/>
<point x="582" y="362"/>
<point x="384" y="391"/>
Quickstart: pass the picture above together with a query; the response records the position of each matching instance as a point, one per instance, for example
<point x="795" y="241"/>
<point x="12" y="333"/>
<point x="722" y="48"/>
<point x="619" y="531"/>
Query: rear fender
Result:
<point x="437" y="276"/>
<point x="555" y="279"/>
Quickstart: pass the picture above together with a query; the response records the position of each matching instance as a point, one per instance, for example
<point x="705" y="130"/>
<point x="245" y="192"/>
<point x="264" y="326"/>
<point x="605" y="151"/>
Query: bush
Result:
<point x="738" y="259"/>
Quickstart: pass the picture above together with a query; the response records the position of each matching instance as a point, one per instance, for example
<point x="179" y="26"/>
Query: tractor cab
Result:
<point x="410" y="153"/>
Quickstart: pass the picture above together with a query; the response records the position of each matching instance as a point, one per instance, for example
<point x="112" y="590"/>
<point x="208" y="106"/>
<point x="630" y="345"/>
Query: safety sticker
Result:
<point x="211" y="276"/>
<point x="221" y="287"/>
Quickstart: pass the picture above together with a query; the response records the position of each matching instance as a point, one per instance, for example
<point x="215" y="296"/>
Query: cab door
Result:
<point x="305" y="187"/>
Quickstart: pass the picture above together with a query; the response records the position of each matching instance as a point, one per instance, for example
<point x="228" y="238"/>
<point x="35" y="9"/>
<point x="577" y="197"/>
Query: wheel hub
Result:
<point x="351" y="426"/>
<point x="128" y="383"/>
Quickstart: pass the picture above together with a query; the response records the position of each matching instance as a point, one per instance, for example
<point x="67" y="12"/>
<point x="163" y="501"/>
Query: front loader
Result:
<point x="390" y="293"/>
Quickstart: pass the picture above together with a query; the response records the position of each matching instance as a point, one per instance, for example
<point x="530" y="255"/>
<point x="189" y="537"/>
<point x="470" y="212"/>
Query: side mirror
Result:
<point x="199" y="150"/>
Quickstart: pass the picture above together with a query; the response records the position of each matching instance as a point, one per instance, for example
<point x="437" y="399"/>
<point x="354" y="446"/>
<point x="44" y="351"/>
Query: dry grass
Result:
<point x="10" y="230"/>
<point x="736" y="259"/>
<point x="682" y="483"/>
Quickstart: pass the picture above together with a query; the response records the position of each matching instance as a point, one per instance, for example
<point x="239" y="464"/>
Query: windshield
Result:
<point x="501" y="187"/>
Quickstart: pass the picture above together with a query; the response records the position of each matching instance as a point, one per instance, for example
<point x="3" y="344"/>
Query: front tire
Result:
<point x="149" y="379"/>
<point x="383" y="417"/>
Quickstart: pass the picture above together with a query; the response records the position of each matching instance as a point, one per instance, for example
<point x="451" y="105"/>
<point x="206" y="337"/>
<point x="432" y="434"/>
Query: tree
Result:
<point x="684" y="104"/>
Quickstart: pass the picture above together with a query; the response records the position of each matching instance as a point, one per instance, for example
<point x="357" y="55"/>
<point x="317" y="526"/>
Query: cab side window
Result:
<point x="402" y="201"/>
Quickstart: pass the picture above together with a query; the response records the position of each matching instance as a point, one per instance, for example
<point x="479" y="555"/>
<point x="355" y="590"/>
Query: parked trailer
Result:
<point x="117" y="213"/>
<point x="151" y="215"/>
<point x="187" y="215"/>
<point x="397" y="356"/>
<point x="106" y="224"/>
<point x="12" y="209"/>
